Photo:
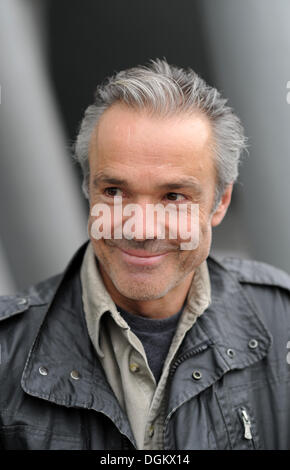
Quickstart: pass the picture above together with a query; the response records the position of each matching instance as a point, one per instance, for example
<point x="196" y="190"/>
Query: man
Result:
<point x="146" y="341"/>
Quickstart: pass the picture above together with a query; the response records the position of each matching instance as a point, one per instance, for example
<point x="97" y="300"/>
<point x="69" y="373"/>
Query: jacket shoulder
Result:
<point x="256" y="272"/>
<point x="35" y="295"/>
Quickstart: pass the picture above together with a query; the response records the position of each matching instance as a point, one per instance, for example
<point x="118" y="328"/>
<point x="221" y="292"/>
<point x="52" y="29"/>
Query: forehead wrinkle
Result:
<point x="103" y="176"/>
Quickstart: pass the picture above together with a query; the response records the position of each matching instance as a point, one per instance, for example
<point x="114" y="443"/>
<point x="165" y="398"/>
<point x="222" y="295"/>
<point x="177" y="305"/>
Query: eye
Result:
<point x="112" y="192"/>
<point x="175" y="197"/>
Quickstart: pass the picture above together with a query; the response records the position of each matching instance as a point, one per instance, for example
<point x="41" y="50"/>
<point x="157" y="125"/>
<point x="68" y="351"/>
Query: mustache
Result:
<point x="151" y="246"/>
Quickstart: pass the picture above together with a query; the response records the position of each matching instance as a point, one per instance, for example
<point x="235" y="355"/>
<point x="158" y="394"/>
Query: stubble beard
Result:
<point x="136" y="286"/>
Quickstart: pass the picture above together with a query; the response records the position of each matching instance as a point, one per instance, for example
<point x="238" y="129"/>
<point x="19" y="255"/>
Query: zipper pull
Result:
<point x="247" y="424"/>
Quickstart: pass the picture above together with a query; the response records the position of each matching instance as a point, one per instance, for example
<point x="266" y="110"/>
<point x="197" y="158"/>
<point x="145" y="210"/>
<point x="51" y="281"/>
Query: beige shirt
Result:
<point x="122" y="354"/>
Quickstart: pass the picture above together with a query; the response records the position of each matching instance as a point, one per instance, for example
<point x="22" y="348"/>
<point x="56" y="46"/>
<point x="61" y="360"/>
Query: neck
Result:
<point x="163" y="307"/>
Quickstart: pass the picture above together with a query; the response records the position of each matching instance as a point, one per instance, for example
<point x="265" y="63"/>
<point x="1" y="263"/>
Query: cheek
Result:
<point x="197" y="255"/>
<point x="205" y="239"/>
<point x="205" y="232"/>
<point x="196" y="228"/>
<point x="204" y="220"/>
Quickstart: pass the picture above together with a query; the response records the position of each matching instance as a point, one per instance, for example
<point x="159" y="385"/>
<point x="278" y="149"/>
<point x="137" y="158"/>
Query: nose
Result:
<point x="137" y="223"/>
<point x="148" y="221"/>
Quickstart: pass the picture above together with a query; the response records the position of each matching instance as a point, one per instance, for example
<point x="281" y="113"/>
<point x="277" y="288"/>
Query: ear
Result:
<point x="222" y="208"/>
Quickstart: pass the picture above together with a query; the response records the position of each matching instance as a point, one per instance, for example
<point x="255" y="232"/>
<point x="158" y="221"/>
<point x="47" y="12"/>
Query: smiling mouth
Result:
<point x="141" y="257"/>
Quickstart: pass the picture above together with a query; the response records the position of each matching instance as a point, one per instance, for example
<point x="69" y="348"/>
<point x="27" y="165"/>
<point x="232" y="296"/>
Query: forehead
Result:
<point x="132" y="141"/>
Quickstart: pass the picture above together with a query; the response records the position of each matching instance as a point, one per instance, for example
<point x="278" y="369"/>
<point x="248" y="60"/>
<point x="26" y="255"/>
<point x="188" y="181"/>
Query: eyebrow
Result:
<point x="187" y="182"/>
<point x="102" y="178"/>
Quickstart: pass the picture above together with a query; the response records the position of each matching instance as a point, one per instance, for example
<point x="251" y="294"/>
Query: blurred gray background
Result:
<point x="52" y="56"/>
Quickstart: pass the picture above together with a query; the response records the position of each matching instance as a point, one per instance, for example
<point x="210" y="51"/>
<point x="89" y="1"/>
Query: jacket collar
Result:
<point x="62" y="344"/>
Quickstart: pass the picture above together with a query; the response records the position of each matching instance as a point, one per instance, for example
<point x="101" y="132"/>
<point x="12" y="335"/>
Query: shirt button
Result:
<point x="22" y="301"/>
<point x="151" y="431"/>
<point x="43" y="370"/>
<point x="134" y="367"/>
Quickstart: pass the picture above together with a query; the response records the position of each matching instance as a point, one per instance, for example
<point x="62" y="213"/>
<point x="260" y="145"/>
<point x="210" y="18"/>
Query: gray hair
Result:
<point x="166" y="90"/>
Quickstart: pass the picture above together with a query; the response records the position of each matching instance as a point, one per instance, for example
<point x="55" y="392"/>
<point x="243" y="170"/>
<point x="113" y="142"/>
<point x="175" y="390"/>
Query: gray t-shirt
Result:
<point x="155" y="335"/>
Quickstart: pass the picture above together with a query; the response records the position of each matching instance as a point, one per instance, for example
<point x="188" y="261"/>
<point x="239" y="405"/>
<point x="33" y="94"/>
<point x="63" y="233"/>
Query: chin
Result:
<point x="141" y="291"/>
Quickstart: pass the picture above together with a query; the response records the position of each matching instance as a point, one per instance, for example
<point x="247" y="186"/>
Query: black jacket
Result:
<point x="229" y="385"/>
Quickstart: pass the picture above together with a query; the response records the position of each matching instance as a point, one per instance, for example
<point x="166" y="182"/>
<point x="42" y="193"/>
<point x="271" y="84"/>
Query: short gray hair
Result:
<point x="166" y="90"/>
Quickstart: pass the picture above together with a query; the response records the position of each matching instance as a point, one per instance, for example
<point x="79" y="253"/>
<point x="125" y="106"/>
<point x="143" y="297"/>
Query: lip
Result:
<point x="142" y="258"/>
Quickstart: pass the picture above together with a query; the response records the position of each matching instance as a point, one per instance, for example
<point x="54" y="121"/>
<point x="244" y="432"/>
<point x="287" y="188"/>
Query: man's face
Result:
<point x="151" y="160"/>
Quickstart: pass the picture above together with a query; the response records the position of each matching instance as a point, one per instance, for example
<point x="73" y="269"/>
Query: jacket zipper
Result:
<point x="247" y="424"/>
